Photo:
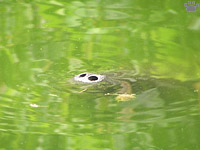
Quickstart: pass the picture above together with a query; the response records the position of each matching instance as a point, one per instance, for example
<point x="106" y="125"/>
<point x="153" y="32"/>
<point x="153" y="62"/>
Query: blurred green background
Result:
<point x="44" y="43"/>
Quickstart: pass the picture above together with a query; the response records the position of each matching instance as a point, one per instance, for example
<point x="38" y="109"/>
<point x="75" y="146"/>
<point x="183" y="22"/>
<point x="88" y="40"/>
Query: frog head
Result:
<point x="105" y="83"/>
<point x="94" y="82"/>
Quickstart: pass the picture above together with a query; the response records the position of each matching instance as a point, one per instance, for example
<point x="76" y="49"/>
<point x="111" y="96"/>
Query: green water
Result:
<point x="44" y="43"/>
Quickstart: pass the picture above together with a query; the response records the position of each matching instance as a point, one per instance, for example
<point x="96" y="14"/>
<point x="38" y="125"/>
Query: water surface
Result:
<point x="43" y="44"/>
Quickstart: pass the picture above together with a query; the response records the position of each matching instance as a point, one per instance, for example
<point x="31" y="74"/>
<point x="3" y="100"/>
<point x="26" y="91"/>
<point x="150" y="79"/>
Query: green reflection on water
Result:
<point x="43" y="44"/>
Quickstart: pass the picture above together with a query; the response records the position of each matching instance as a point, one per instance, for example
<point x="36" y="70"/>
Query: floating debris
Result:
<point x="34" y="105"/>
<point x="123" y="97"/>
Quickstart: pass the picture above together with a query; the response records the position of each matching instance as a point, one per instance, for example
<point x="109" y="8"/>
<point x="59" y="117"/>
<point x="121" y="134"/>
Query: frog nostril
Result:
<point x="92" y="78"/>
<point x="83" y="75"/>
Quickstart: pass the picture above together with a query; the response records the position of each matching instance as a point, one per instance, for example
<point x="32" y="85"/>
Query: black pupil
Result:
<point x="93" y="78"/>
<point x="83" y="75"/>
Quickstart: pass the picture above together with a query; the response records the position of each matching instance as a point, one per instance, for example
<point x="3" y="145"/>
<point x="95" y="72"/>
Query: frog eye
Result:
<point x="82" y="75"/>
<point x="93" y="78"/>
<point x="89" y="77"/>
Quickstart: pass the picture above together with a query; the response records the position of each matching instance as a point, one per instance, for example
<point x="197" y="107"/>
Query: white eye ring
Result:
<point x="89" y="77"/>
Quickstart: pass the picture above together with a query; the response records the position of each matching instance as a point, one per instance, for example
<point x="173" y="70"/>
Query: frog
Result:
<point x="127" y="85"/>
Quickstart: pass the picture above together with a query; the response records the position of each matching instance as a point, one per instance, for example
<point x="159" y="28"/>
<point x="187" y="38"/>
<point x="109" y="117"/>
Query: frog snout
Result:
<point x="89" y="77"/>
